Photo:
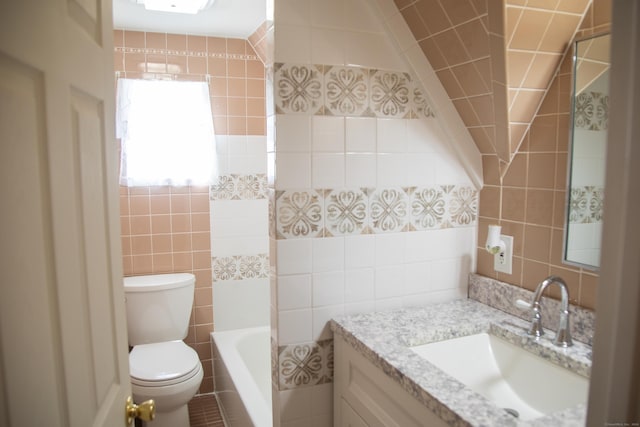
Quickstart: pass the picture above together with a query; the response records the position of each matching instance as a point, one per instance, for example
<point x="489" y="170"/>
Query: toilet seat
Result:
<point x="163" y="364"/>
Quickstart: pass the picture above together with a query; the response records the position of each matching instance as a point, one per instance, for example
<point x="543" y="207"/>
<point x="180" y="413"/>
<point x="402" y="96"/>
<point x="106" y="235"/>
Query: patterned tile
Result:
<point x="239" y="187"/>
<point x="299" y="214"/>
<point x="298" y="89"/>
<point x="428" y="208"/>
<point x="592" y="111"/>
<point x="586" y="205"/>
<point x="463" y="206"/>
<point x="388" y="210"/>
<point x="240" y="267"/>
<point x="345" y="212"/>
<point x="390" y="94"/>
<point x="307" y="364"/>
<point x="346" y="91"/>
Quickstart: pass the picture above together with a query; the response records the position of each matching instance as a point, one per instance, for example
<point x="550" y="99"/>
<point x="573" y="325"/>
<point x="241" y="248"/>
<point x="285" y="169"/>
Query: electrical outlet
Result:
<point x="503" y="261"/>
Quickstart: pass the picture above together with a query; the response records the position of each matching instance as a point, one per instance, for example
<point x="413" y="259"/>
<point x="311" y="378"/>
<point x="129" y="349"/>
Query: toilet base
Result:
<point x="176" y="418"/>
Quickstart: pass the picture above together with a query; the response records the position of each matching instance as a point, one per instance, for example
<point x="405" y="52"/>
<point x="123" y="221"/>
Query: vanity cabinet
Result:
<point x="365" y="396"/>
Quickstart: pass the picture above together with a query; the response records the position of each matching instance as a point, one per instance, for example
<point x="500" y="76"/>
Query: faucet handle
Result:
<point x="520" y="303"/>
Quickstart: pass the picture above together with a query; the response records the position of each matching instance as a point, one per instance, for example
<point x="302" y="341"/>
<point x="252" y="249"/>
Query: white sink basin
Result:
<point x="511" y="377"/>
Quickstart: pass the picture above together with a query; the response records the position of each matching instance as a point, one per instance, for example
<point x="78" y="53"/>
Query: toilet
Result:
<point x="161" y="366"/>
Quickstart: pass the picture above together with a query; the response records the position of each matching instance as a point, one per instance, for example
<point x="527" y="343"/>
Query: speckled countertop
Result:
<point x="384" y="338"/>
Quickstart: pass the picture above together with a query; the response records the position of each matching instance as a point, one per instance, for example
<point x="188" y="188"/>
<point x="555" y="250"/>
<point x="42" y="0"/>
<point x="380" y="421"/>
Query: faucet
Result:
<point x="563" y="336"/>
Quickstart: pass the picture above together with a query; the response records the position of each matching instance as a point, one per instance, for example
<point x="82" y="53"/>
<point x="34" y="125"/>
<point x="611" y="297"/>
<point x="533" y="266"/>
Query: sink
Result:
<point x="525" y="385"/>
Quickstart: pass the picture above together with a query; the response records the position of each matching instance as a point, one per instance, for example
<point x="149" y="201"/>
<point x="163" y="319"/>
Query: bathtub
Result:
<point x="242" y="376"/>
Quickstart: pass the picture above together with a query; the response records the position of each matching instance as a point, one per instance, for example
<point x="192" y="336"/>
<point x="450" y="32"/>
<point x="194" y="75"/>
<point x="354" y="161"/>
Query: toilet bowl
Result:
<point x="161" y="366"/>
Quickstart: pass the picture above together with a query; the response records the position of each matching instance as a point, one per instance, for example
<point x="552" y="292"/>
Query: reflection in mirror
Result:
<point x="590" y="121"/>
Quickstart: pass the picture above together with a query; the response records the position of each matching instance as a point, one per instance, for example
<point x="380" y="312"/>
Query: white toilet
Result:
<point x="161" y="366"/>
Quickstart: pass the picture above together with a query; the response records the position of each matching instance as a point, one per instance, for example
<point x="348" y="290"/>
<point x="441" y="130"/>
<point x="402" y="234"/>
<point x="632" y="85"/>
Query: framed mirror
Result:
<point x="589" y="125"/>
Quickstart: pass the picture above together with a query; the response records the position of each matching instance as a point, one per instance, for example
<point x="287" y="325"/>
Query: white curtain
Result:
<point x="167" y="134"/>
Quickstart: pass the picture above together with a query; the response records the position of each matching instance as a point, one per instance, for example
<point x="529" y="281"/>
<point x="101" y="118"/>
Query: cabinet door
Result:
<point x="350" y="418"/>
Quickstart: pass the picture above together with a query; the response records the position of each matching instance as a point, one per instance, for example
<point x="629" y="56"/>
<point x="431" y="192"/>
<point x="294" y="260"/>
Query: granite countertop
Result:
<point x="384" y="338"/>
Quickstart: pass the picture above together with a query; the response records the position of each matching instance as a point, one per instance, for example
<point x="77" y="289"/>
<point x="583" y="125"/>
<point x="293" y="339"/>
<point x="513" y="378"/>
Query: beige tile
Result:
<point x="237" y="87"/>
<point x="182" y="261"/>
<point x="451" y="85"/>
<point x="573" y="6"/>
<point x="559" y="208"/>
<point x="484" y="68"/>
<point x="539" y="207"/>
<point x="139" y="205"/>
<point x="162" y="263"/>
<point x="204" y="315"/>
<point x="197" y="65"/>
<point x="483" y="107"/>
<point x="415" y="23"/>
<point x="485" y="264"/>
<point x="533" y="272"/>
<point x="156" y="40"/>
<point x="489" y="202"/>
<point x="557" y="247"/>
<point x="136" y="62"/>
<point x="201" y="241"/>
<point x="203" y="280"/>
<point x="559" y="33"/>
<point x="561" y="171"/>
<point x="256" y="126"/>
<point x="451" y="47"/>
<point x="470" y="79"/>
<point x="200" y="222"/>
<point x="515" y="277"/>
<point x="542" y="136"/>
<point x="537" y="243"/>
<point x="177" y="42"/>
<point x="177" y="64"/>
<point x="196" y="43"/>
<point x="141" y="245"/>
<point x="140" y="225"/>
<point x="541" y="72"/>
<point x="161" y="243"/>
<point x="602" y="12"/>
<point x="142" y="264"/>
<point x="203" y="296"/>
<point x="512" y="18"/>
<point x="160" y="223"/>
<point x="563" y="133"/>
<point x="525" y="105"/>
<point x="518" y="63"/>
<point x="433" y="54"/>
<point x="256" y="108"/>
<point x="530" y="29"/>
<point x="542" y="170"/>
<point x="475" y="38"/>
<point x="490" y="170"/>
<point x="588" y="290"/>
<point x="516" y="175"/>
<point x="433" y="15"/>
<point x="513" y="204"/>
<point x="543" y="4"/>
<point x="181" y="242"/>
<point x="256" y="88"/>
<point x="134" y="39"/>
<point x="550" y="102"/>
<point x="467" y="113"/>
<point x="458" y="11"/>
<point x="517" y="133"/>
<point x="516" y="230"/>
<point x="237" y="46"/>
<point x="216" y="45"/>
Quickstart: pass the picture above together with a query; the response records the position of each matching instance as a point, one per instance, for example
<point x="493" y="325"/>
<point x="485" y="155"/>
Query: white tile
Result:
<point x="425" y="136"/>
<point x="401" y="32"/>
<point x="248" y="164"/>
<point x="328" y="254"/>
<point x="295" y="326"/>
<point x="294" y="256"/>
<point x="293" y="171"/>
<point x="327" y="134"/>
<point x="390" y="249"/>
<point x="322" y="399"/>
<point x="294" y="12"/>
<point x="321" y="318"/>
<point x="389" y="281"/>
<point x="421" y="169"/>
<point x="328" y="288"/>
<point x="361" y="135"/>
<point x="392" y="135"/>
<point x="418" y="277"/>
<point x="391" y="170"/>
<point x="361" y="170"/>
<point x="237" y="245"/>
<point x="294" y="292"/>
<point x="372" y="50"/>
<point x="359" y="16"/>
<point x="252" y="295"/>
<point x="392" y="303"/>
<point x="327" y="46"/>
<point x="360" y="251"/>
<point x="294" y="44"/>
<point x="359" y="307"/>
<point x="327" y="14"/>
<point x="294" y="133"/>
<point x="328" y="170"/>
<point x="295" y="403"/>
<point x="359" y="285"/>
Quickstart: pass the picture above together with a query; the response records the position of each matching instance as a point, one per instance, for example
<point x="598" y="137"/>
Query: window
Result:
<point x="167" y="135"/>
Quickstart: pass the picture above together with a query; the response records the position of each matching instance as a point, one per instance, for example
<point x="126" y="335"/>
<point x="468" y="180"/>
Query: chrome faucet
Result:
<point x="563" y="336"/>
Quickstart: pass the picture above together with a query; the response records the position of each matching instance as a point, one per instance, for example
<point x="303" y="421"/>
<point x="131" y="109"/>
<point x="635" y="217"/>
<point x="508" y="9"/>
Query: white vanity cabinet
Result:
<point x="365" y="396"/>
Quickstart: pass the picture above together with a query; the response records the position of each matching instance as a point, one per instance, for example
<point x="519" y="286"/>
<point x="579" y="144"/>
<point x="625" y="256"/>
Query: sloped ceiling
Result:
<point x="495" y="58"/>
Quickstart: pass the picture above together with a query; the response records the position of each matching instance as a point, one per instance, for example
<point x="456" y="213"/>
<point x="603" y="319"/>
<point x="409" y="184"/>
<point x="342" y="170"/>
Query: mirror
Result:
<point x="590" y="121"/>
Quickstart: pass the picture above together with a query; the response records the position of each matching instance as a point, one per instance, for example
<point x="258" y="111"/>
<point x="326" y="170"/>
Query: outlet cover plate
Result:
<point x="503" y="261"/>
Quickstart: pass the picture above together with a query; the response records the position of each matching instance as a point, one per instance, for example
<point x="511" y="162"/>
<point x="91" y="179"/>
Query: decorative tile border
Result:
<point x="348" y="91"/>
<point x="239" y="187"/>
<point x="240" y="267"/>
<point x="586" y="205"/>
<point x="307" y="364"/>
<point x="354" y="211"/>
<point x="148" y="51"/>
<point x="592" y="111"/>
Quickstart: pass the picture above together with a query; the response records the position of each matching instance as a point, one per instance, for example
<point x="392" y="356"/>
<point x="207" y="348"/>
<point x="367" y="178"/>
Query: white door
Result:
<point x="63" y="345"/>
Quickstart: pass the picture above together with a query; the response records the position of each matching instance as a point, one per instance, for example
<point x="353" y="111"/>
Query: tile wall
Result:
<point x="372" y="208"/>
<point x="170" y="229"/>
<point x="529" y="202"/>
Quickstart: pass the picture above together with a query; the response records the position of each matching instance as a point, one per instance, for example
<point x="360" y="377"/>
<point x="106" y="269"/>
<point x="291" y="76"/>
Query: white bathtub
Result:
<point x="242" y="376"/>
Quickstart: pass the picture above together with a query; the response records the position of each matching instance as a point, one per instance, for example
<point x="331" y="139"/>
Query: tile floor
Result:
<point x="204" y="412"/>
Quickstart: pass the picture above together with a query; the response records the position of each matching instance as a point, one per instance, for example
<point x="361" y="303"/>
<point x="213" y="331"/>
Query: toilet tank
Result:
<point x="158" y="307"/>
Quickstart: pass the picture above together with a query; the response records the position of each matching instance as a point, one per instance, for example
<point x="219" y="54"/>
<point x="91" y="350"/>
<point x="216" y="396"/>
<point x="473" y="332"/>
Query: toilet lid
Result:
<point x="163" y="362"/>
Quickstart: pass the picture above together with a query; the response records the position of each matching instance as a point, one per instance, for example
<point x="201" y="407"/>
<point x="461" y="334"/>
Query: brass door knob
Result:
<point x="146" y="411"/>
